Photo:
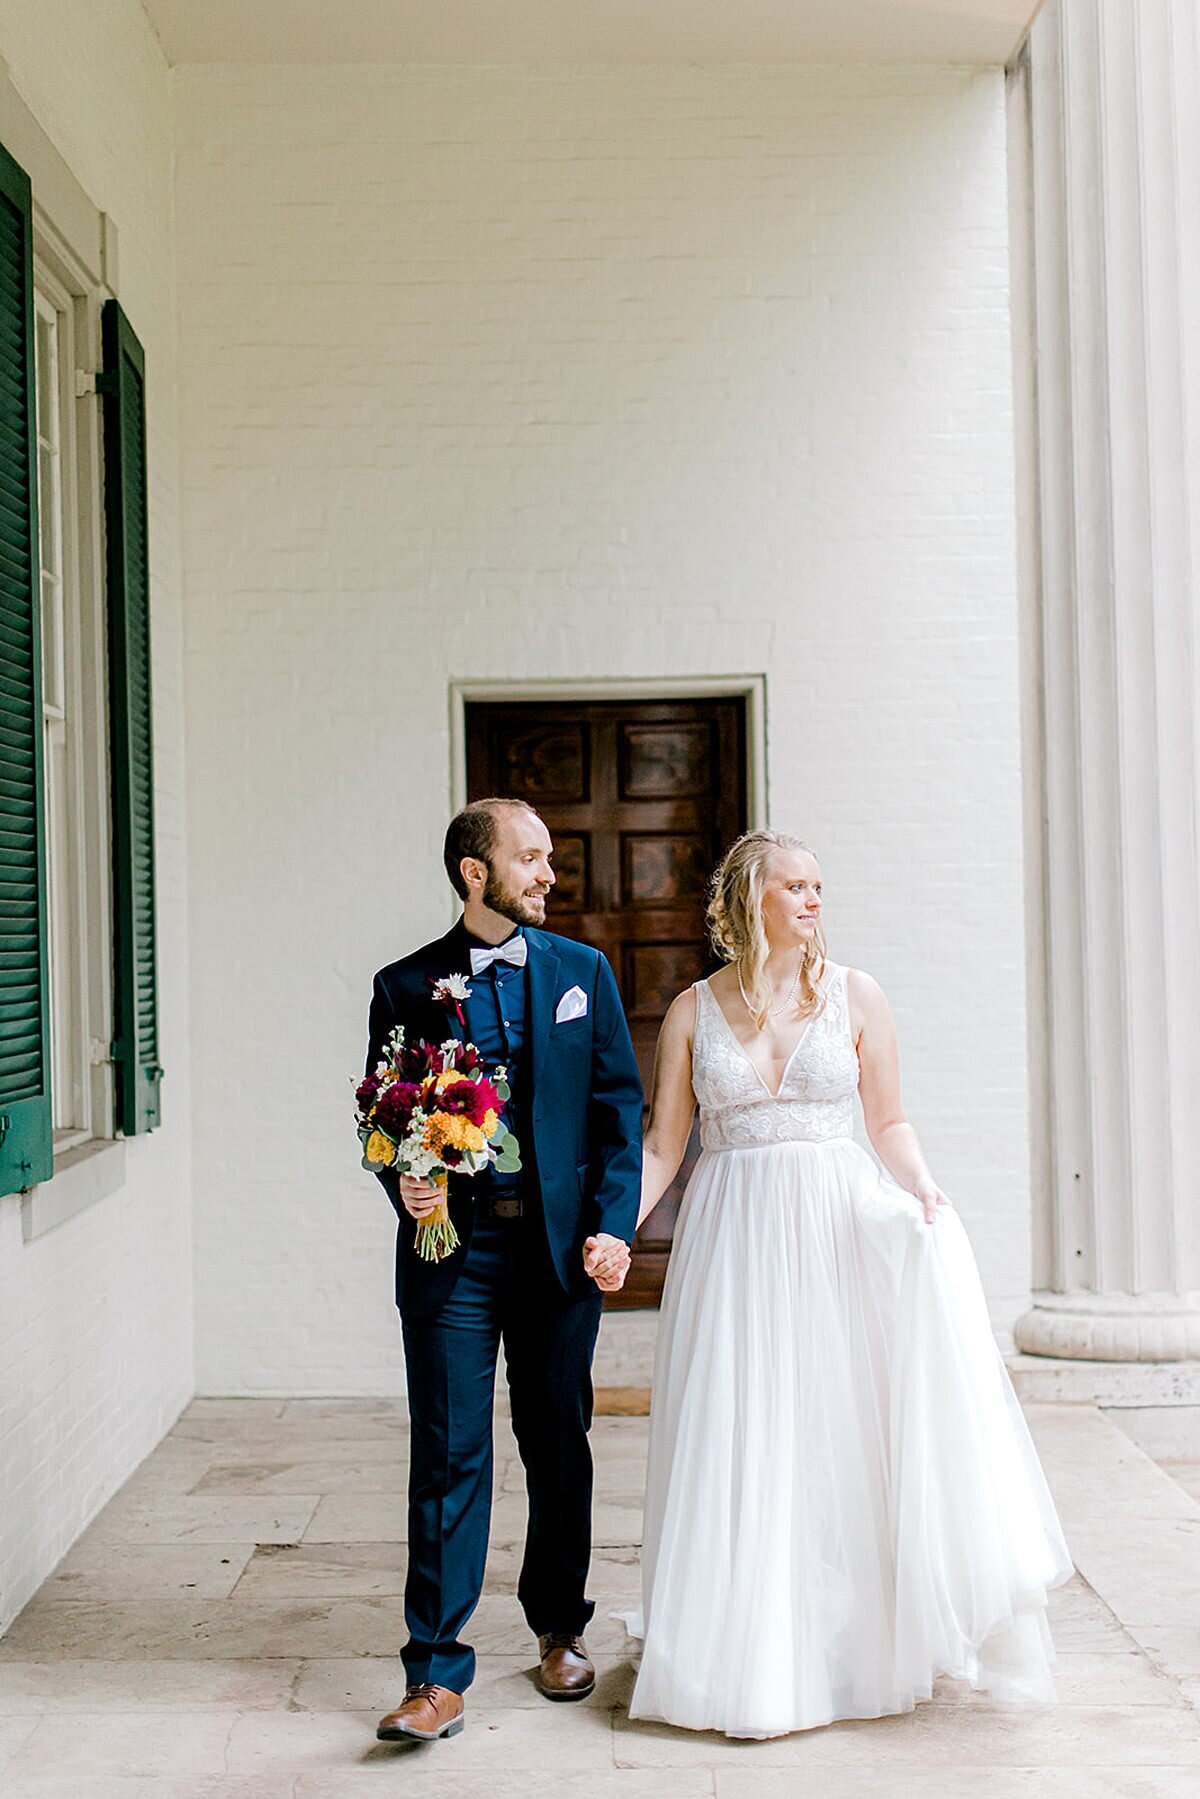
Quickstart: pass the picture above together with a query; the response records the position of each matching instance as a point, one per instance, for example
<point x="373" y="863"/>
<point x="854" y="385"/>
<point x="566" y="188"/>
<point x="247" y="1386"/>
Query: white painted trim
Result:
<point x="81" y="1177"/>
<point x="751" y="688"/>
<point x="66" y="282"/>
<point x="61" y="207"/>
<point x="1030" y="613"/>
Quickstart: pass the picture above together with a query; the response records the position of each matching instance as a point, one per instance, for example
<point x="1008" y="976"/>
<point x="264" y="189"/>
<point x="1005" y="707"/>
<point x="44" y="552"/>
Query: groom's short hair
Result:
<point x="472" y="832"/>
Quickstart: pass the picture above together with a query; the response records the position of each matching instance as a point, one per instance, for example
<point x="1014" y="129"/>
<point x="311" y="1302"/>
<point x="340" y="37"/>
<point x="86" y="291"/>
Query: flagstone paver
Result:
<point x="227" y="1628"/>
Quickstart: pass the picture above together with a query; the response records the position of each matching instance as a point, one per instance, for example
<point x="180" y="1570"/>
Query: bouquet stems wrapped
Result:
<point x="436" y="1235"/>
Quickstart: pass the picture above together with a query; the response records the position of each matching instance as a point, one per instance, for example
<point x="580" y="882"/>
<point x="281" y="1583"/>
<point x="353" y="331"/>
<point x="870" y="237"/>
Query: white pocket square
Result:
<point x="573" y="1004"/>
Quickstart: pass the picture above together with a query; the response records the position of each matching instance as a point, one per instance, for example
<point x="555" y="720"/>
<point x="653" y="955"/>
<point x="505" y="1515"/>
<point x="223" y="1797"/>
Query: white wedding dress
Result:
<point x="842" y="1497"/>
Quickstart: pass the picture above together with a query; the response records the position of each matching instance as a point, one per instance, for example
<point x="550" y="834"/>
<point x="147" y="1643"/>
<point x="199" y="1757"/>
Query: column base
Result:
<point x="1114" y="1386"/>
<point x="1112" y="1327"/>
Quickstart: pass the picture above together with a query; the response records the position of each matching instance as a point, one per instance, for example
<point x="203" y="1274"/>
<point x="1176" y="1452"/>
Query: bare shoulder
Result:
<point x="866" y="1001"/>
<point x="863" y="987"/>
<point x="679" y="1023"/>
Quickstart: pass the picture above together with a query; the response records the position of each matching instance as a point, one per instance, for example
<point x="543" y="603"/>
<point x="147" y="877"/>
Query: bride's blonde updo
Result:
<point x="735" y="921"/>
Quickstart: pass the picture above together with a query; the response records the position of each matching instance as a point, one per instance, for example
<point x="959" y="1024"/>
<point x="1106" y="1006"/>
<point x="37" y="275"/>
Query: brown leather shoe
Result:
<point x="426" y="1713"/>
<point x="567" y="1671"/>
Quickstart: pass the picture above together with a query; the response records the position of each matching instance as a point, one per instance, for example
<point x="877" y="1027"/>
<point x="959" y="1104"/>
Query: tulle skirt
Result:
<point x="842" y="1497"/>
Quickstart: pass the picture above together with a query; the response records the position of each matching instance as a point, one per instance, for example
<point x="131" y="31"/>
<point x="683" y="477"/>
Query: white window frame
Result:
<point x="80" y="899"/>
<point x="76" y="250"/>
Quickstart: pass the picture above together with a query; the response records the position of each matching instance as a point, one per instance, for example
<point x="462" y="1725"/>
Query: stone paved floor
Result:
<point x="226" y="1630"/>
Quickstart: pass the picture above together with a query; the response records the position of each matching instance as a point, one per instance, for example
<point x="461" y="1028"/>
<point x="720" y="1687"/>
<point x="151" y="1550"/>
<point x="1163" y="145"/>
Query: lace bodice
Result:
<point x="815" y="1101"/>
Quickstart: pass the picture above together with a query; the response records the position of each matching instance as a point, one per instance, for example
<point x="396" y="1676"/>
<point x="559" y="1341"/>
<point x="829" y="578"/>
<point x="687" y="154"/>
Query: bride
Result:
<point x="842" y="1498"/>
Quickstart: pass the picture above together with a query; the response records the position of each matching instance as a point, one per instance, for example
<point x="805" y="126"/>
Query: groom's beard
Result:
<point x="522" y="908"/>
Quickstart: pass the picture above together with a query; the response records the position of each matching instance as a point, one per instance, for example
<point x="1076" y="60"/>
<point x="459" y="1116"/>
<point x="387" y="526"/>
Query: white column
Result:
<point x="1114" y="151"/>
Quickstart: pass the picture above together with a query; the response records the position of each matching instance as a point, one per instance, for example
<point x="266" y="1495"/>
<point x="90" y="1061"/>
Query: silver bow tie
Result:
<point x="514" y="951"/>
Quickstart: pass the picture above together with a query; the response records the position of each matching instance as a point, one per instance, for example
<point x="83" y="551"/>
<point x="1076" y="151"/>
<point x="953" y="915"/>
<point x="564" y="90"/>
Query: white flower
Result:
<point x="451" y="990"/>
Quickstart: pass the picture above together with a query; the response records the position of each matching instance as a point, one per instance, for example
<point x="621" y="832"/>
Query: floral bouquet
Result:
<point x="427" y="1112"/>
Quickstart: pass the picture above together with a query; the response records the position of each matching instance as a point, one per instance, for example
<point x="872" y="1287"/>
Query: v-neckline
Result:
<point x="745" y="1054"/>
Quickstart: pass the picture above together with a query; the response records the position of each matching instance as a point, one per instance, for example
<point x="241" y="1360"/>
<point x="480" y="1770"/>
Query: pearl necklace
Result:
<point x="772" y="1011"/>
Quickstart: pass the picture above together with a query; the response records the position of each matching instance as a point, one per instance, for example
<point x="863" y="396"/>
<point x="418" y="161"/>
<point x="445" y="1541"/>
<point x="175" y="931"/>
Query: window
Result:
<point x="78" y="989"/>
<point x="26" y="1144"/>
<point x="62" y="509"/>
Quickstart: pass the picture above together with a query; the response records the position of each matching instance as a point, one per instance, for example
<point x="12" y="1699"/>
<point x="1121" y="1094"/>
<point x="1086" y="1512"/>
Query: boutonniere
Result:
<point x="451" y="990"/>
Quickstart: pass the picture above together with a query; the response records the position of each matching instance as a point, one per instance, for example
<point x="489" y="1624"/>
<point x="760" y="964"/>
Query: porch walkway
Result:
<point x="227" y="1628"/>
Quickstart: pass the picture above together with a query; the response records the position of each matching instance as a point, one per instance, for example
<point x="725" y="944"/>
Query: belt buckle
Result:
<point x="506" y="1208"/>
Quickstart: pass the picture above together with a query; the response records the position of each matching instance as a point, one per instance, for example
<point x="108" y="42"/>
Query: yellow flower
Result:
<point x="450" y="1130"/>
<point x="380" y="1149"/>
<point x="490" y="1121"/>
<point x="459" y="1132"/>
<point x="450" y="1078"/>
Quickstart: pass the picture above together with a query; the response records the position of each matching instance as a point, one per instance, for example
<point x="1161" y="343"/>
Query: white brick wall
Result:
<point x="638" y="373"/>
<point x="96" y="1316"/>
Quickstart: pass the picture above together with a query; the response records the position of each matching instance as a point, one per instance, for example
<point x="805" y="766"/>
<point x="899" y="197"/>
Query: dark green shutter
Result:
<point x="135" y="998"/>
<point x="26" y="1130"/>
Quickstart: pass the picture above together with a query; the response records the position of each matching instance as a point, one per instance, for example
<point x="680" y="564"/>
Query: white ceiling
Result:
<point x="575" y="31"/>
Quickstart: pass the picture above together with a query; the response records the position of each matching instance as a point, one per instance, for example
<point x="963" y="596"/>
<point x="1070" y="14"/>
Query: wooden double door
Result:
<point x="641" y="798"/>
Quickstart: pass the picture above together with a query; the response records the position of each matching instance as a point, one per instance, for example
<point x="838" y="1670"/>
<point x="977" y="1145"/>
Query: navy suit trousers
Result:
<point x="506" y="1293"/>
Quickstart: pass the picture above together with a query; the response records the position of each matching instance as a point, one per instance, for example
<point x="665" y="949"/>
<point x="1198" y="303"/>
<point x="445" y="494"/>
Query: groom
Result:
<point x="537" y="1250"/>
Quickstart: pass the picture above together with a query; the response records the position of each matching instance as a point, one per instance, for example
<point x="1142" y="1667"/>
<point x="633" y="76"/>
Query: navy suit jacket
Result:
<point x="581" y="1090"/>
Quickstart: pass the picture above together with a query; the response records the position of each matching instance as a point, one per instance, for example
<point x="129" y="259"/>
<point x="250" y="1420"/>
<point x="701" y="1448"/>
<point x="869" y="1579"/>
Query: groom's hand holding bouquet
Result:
<point x="426" y="1112"/>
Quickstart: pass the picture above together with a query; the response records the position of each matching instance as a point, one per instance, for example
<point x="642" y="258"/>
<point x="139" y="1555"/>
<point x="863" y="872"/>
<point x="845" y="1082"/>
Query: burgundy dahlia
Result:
<point x="472" y="1100"/>
<point x="458" y="1101"/>
<point x="486" y="1100"/>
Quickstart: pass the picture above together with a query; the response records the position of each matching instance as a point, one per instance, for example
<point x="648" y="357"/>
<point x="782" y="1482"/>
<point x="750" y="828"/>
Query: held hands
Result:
<point x="419" y="1198"/>
<point x="606" y="1259"/>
